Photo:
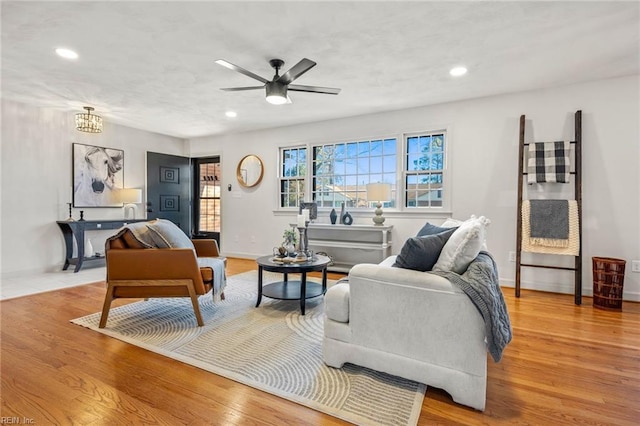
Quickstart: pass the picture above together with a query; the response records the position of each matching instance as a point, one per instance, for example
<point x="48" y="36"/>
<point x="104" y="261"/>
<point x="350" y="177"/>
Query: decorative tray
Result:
<point x="285" y="260"/>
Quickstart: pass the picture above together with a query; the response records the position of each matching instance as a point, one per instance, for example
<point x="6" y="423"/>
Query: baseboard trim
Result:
<point x="563" y="288"/>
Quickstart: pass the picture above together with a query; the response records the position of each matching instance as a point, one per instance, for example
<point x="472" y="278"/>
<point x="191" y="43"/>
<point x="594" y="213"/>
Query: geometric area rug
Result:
<point x="272" y="348"/>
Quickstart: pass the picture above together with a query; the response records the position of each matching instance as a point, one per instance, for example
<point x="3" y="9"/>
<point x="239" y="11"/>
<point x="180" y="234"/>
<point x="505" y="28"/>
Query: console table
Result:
<point x="76" y="229"/>
<point x="349" y="245"/>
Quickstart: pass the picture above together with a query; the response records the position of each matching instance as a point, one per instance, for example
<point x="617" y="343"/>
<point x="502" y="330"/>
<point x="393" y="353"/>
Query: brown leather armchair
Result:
<point x="134" y="271"/>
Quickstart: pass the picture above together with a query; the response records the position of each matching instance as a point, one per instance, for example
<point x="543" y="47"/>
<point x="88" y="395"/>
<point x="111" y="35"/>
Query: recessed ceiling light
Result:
<point x="231" y="114"/>
<point x="66" y="53"/>
<point x="458" y="71"/>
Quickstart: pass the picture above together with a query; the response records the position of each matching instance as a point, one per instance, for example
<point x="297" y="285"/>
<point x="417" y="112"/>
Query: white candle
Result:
<point x="301" y="223"/>
<point x="305" y="212"/>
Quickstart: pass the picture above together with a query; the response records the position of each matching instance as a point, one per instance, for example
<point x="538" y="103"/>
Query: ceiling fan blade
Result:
<point x="240" y="70"/>
<point x="313" y="89"/>
<point x="238" y="89"/>
<point x="296" y="71"/>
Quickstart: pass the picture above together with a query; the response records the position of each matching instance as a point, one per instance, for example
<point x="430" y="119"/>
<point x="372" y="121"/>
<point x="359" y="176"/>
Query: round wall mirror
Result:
<point x="250" y="171"/>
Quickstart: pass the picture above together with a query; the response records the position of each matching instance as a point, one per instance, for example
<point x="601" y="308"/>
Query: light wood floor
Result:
<point x="566" y="365"/>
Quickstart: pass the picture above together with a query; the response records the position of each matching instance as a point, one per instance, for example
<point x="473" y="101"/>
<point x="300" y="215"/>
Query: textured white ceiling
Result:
<point x="150" y="65"/>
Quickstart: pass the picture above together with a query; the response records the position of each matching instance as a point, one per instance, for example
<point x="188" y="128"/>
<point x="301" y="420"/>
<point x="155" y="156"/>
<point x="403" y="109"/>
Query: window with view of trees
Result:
<point x="293" y="171"/>
<point x="341" y="171"/>
<point x="424" y="173"/>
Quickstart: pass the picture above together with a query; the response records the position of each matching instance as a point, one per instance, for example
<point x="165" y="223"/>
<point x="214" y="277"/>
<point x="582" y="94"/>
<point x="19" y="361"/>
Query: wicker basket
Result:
<point x="608" y="282"/>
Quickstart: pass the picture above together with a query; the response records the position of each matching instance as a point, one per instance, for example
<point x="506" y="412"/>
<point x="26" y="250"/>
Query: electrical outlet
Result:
<point x="512" y="256"/>
<point x="253" y="239"/>
<point x="635" y="266"/>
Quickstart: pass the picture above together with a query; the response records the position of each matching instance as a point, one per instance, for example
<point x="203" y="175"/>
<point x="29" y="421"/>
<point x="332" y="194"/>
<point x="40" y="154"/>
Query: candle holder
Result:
<point x="70" y="218"/>
<point x="81" y="215"/>
<point x="303" y="244"/>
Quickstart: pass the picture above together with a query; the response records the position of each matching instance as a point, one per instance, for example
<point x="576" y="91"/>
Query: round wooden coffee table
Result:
<point x="292" y="290"/>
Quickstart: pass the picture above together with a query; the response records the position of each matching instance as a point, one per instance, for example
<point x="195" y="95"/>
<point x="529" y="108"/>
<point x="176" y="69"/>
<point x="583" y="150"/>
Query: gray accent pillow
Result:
<point x="167" y="235"/>
<point x="421" y="253"/>
<point x="430" y="229"/>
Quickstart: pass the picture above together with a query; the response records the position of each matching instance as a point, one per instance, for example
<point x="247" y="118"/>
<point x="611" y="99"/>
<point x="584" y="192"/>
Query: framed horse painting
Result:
<point x="98" y="174"/>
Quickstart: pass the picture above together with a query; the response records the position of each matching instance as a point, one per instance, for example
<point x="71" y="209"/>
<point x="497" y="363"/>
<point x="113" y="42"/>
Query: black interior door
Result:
<point x="169" y="189"/>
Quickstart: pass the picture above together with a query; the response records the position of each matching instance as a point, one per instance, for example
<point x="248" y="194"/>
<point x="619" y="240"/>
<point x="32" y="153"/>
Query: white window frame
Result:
<point x="446" y="173"/>
<point x="282" y="178"/>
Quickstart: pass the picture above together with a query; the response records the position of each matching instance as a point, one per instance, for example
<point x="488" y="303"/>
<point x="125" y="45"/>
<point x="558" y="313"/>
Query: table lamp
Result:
<point x="378" y="192"/>
<point x="130" y="197"/>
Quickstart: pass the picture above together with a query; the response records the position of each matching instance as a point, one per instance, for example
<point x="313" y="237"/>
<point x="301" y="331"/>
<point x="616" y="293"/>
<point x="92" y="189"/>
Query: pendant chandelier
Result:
<point x="87" y="122"/>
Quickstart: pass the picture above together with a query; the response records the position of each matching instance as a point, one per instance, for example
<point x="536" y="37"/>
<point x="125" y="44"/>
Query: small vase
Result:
<point x="347" y="219"/>
<point x="291" y="248"/>
<point x="88" y="248"/>
<point x="342" y="213"/>
<point x="333" y="216"/>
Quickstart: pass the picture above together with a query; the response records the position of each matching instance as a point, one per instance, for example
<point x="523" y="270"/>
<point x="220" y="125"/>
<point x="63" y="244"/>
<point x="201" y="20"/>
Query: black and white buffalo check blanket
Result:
<point x="548" y="162"/>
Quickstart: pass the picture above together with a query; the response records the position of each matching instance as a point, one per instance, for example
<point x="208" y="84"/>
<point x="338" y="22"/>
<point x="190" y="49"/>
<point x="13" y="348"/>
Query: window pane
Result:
<point x="437" y="161"/>
<point x="413" y="162"/>
<point x="376" y="148"/>
<point x="389" y="164"/>
<point x="437" y="143"/>
<point x="363" y="148"/>
<point x="389" y="147"/>
<point x="425" y="143"/>
<point x="375" y="165"/>
<point x="413" y="145"/>
<point x="363" y="165"/>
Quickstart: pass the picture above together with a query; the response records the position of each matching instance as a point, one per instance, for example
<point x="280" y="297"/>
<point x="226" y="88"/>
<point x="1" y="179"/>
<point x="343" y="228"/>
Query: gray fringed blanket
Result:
<point x="480" y="283"/>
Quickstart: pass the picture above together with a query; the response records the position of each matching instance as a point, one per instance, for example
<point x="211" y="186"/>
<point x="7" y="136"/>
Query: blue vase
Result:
<point x="333" y="216"/>
<point x="347" y="219"/>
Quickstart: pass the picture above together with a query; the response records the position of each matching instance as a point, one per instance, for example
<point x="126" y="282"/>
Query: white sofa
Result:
<point x="411" y="324"/>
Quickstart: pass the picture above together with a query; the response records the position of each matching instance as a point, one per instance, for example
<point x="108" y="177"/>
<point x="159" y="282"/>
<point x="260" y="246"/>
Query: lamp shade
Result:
<point x="130" y="195"/>
<point x="378" y="192"/>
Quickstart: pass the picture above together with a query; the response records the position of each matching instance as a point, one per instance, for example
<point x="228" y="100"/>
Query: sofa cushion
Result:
<point x="463" y="246"/>
<point x="421" y="253"/>
<point x="336" y="302"/>
<point x="166" y="234"/>
<point x="431" y="229"/>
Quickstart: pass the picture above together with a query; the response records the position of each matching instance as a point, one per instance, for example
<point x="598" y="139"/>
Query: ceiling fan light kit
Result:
<point x="276" y="93"/>
<point x="276" y="89"/>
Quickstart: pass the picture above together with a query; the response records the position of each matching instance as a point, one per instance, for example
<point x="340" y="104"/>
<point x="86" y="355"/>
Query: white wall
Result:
<point x="36" y="181"/>
<point x="483" y="141"/>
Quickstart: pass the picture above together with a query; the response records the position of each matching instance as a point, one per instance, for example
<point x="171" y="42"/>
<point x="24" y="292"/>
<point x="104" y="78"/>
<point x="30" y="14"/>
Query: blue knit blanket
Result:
<point x="480" y="283"/>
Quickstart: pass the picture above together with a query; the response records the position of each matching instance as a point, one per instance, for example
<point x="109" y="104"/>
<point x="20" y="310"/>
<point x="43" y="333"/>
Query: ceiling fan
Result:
<point x="277" y="88"/>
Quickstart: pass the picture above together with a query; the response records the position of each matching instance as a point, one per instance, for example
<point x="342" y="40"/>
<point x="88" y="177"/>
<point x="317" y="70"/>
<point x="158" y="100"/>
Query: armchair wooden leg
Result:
<point x="108" y="298"/>
<point x="194" y="302"/>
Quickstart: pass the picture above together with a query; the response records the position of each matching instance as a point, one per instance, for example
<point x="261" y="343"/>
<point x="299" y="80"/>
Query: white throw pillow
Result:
<point x="463" y="246"/>
<point x="452" y="223"/>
